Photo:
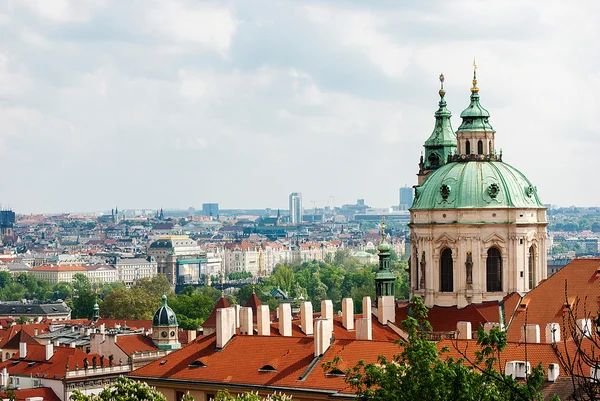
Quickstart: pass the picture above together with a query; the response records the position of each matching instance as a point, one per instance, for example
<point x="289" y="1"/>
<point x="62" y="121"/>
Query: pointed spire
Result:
<point x="475" y="117"/>
<point x="474" y="89"/>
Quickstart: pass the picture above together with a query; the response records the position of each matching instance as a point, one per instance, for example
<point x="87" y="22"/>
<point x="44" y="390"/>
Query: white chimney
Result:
<point x="509" y="368"/>
<point x="463" y="331"/>
<point x="584" y="327"/>
<point x="56" y="343"/>
<point x="522" y="369"/>
<point x="531" y="333"/>
<point x="72" y="345"/>
<point x="364" y="328"/>
<point x="553" y="372"/>
<point x="306" y="318"/>
<point x="366" y="306"/>
<point x="595" y="374"/>
<point x="35" y="332"/>
<point x="263" y="320"/>
<point x="191" y="335"/>
<point x="386" y="311"/>
<point x="327" y="309"/>
<point x="49" y="351"/>
<point x="323" y="329"/>
<point x="22" y="350"/>
<point x="225" y="326"/>
<point x="488" y="326"/>
<point x="246" y="324"/>
<point x="4" y="378"/>
<point x="552" y="333"/>
<point x="285" y="320"/>
<point x="237" y="315"/>
<point x="102" y="327"/>
<point x="348" y="313"/>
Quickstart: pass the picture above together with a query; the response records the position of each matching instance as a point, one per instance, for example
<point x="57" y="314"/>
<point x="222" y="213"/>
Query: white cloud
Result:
<point x="210" y="26"/>
<point x="63" y="10"/>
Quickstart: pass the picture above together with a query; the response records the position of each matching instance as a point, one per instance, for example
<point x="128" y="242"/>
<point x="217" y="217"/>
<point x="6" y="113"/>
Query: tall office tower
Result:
<point x="296" y="207"/>
<point x="406" y="198"/>
<point x="210" y="209"/>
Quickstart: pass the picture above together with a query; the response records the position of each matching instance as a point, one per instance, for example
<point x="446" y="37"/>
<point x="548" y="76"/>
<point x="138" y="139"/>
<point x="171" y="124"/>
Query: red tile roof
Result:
<point x="545" y="303"/>
<point x="54" y="368"/>
<point x="59" y="268"/>
<point x="46" y="393"/>
<point x="289" y="356"/>
<point x="135" y="343"/>
<point x="20" y="337"/>
<point x="212" y="319"/>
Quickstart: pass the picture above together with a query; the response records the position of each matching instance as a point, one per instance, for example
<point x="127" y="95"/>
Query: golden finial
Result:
<point x="442" y="91"/>
<point x="474" y="89"/>
<point x="383" y="227"/>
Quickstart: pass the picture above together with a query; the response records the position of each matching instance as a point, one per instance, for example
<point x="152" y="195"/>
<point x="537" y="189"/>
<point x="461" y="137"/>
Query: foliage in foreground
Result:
<point x="421" y="372"/>
<point x="123" y="389"/>
<point x="223" y="395"/>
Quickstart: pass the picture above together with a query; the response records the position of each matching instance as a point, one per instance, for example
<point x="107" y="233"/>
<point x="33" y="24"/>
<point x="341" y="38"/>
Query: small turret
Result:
<point x="384" y="278"/>
<point x="96" y="313"/>
<point x="165" y="327"/>
<point x="442" y="141"/>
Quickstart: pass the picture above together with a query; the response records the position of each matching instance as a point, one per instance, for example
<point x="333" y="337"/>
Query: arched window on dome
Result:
<point x="468" y="147"/>
<point x="531" y="267"/>
<point x="480" y="147"/>
<point x="446" y="271"/>
<point x="493" y="267"/>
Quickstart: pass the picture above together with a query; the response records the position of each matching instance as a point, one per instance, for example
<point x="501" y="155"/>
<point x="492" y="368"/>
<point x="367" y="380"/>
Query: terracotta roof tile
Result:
<point x="46" y="393"/>
<point x="212" y="319"/>
<point x="135" y="343"/>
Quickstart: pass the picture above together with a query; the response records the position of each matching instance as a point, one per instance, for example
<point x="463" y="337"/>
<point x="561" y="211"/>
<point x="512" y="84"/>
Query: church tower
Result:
<point x="441" y="143"/>
<point x="165" y="327"/>
<point x="478" y="227"/>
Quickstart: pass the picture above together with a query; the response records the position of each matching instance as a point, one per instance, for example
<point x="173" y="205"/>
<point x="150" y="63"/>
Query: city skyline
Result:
<point x="100" y="104"/>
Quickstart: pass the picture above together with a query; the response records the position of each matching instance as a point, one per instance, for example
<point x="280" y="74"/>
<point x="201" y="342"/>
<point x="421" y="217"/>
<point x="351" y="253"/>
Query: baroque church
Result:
<point x="477" y="225"/>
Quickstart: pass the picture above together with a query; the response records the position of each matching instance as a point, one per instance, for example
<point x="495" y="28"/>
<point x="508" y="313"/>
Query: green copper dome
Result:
<point x="164" y="316"/>
<point x="475" y="117"/>
<point x="476" y="184"/>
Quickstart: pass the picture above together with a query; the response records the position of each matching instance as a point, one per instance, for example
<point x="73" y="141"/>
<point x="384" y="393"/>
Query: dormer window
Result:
<point x="335" y="373"/>
<point x="197" y="364"/>
<point x="267" y="368"/>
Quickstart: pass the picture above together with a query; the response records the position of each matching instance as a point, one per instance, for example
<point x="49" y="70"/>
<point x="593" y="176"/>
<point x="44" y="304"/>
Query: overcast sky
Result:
<point x="144" y="104"/>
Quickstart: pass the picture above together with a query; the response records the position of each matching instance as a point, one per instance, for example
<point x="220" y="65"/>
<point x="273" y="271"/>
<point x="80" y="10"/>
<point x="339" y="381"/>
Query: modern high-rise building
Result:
<point x="296" y="207"/>
<point x="406" y="198"/>
<point x="210" y="209"/>
<point x="7" y="222"/>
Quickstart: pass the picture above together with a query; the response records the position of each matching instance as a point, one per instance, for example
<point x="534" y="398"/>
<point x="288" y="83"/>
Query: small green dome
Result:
<point x="164" y="316"/>
<point x="384" y="246"/>
<point x="476" y="184"/>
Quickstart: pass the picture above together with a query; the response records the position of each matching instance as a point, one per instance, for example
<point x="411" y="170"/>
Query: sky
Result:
<point x="150" y="103"/>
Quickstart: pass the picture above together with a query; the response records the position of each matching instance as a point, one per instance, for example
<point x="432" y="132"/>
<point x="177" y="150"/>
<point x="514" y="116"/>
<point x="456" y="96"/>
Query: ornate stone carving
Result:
<point x="469" y="266"/>
<point x="423" y="266"/>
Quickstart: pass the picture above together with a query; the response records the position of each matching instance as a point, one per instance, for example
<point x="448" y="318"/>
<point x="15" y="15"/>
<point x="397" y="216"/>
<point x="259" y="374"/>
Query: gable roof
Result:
<point x="20" y="337"/>
<point x="211" y="321"/>
<point x="545" y="303"/>
<point x="135" y="343"/>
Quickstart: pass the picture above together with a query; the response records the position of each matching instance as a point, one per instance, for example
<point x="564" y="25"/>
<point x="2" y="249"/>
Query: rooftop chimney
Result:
<point x="584" y="327"/>
<point x="35" y="332"/>
<point x="552" y="333"/>
<point x="323" y="329"/>
<point x="263" y="321"/>
<point x="285" y="320"/>
<point x="56" y="343"/>
<point x="531" y="333"/>
<point x="327" y="309"/>
<point x="246" y="324"/>
<point x="553" y="372"/>
<point x="191" y="334"/>
<point x="237" y="315"/>
<point x="306" y="318"/>
<point x="4" y="376"/>
<point x="463" y="331"/>
<point x="102" y="327"/>
<point x="386" y="311"/>
<point x="366" y="306"/>
<point x="49" y="351"/>
<point x="487" y="327"/>
<point x="348" y="313"/>
<point x="22" y="350"/>
<point x="225" y="326"/>
<point x="364" y="328"/>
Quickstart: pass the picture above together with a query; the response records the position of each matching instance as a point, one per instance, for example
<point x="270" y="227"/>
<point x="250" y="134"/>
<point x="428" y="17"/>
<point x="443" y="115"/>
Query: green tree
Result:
<point x="223" y="395"/>
<point x="123" y="389"/>
<point x="283" y="277"/>
<point x="5" y="279"/>
<point x="84" y="297"/>
<point x="421" y="372"/>
<point x="210" y="292"/>
<point x="157" y="286"/>
<point x="134" y="303"/>
<point x="62" y="290"/>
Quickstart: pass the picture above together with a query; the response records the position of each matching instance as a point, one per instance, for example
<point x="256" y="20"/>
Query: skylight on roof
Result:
<point x="197" y="364"/>
<point x="163" y="361"/>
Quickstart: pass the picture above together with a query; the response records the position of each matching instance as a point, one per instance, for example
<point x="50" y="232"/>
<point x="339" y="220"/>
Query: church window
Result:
<point x="446" y="270"/>
<point x="468" y="146"/>
<point x="531" y="266"/>
<point x="490" y="148"/>
<point x="494" y="270"/>
<point x="480" y="147"/>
